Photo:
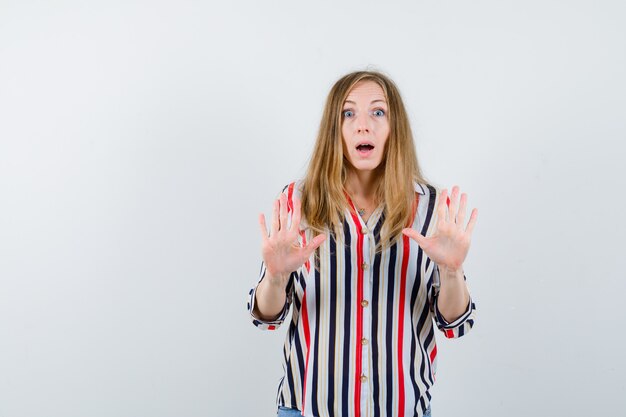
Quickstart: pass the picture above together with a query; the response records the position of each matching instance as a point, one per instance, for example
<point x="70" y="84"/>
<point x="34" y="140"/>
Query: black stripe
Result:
<point x="429" y="212"/>
<point x="314" y="379"/>
<point x="415" y="330"/>
<point x="300" y="361"/>
<point x="289" y="365"/>
<point x="345" y="400"/>
<point x="424" y="315"/>
<point x="421" y="322"/>
<point x="332" y="324"/>
<point x="422" y="404"/>
<point x="426" y="358"/>
<point x="303" y="281"/>
<point x="429" y="337"/>
<point x="280" y="396"/>
<point x="374" y="303"/>
<point x="391" y="275"/>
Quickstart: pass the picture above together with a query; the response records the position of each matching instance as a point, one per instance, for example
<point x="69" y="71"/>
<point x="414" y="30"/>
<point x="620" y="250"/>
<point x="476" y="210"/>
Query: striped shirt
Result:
<point x="361" y="339"/>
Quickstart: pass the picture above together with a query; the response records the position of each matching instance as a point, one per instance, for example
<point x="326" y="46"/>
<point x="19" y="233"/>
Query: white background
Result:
<point x="140" y="140"/>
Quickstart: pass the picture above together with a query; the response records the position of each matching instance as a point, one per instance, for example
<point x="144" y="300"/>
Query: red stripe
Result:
<point x="307" y="341"/>
<point x="271" y="327"/>
<point x="305" y="314"/>
<point x="433" y="354"/>
<point x="405" y="263"/>
<point x="359" y="311"/>
<point x="449" y="333"/>
<point x="290" y="197"/>
<point x="307" y="264"/>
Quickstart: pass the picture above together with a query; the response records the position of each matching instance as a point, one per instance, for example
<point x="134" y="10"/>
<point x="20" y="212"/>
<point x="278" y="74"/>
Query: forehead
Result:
<point x="366" y="91"/>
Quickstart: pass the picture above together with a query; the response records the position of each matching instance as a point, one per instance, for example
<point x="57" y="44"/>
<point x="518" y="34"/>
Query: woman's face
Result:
<point x="365" y="126"/>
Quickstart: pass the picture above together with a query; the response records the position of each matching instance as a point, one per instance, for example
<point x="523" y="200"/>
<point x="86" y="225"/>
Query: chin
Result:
<point x="366" y="165"/>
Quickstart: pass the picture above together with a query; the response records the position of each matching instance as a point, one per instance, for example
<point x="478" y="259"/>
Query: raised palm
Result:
<point x="281" y="250"/>
<point x="450" y="243"/>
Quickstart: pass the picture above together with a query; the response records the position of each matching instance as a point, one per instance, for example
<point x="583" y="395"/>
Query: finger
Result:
<point x="283" y="212"/>
<point x="460" y="217"/>
<point x="275" y="220"/>
<point x="313" y="244"/>
<point x="263" y="226"/>
<point x="453" y="204"/>
<point x="442" y="210"/>
<point x="472" y="222"/>
<point x="415" y="235"/>
<point x="295" y="217"/>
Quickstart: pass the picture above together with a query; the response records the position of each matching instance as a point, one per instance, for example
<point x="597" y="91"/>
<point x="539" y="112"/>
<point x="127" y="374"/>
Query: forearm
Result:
<point x="270" y="297"/>
<point x="453" y="294"/>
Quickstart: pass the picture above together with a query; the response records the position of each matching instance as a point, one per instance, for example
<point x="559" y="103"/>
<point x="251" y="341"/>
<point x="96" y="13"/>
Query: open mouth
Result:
<point x="364" y="147"/>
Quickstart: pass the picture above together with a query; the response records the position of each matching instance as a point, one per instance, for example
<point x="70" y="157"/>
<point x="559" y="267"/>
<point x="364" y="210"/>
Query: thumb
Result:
<point x="314" y="244"/>
<point x="415" y="235"/>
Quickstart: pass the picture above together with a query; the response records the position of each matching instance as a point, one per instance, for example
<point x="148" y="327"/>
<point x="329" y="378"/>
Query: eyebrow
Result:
<point x="374" y="101"/>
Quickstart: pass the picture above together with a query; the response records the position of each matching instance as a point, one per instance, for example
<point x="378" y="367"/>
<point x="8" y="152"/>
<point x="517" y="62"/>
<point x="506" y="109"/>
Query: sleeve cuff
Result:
<point x="458" y="327"/>
<point x="266" y="324"/>
<point x="269" y="324"/>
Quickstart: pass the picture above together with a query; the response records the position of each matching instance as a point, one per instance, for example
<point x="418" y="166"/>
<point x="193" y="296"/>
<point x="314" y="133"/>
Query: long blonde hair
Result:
<point x="323" y="196"/>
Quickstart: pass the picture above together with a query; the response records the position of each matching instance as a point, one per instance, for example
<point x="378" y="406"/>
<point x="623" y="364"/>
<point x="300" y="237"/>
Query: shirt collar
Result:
<point x="419" y="188"/>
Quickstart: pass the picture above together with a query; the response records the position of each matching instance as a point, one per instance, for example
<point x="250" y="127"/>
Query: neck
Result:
<point x="361" y="183"/>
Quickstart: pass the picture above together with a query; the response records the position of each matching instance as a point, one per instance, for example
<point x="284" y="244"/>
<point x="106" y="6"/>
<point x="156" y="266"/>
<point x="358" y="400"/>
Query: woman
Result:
<point x="368" y="255"/>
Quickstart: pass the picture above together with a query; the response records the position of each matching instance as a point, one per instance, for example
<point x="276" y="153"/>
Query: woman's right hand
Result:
<point x="281" y="250"/>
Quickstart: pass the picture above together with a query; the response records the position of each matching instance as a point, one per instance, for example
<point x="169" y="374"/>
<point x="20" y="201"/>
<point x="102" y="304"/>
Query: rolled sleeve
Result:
<point x="269" y="324"/>
<point x="458" y="327"/>
<point x="290" y="190"/>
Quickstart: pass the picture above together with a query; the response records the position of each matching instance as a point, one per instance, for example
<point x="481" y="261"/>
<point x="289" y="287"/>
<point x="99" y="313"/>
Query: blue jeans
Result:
<point x="292" y="412"/>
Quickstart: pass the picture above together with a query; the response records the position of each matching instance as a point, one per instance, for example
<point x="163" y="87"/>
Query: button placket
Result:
<point x="368" y="244"/>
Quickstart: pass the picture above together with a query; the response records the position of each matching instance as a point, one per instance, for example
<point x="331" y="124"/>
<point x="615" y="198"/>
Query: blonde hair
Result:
<point x="323" y="196"/>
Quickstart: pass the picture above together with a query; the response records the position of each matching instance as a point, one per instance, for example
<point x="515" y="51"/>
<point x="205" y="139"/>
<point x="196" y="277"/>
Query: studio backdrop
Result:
<point x="139" y="141"/>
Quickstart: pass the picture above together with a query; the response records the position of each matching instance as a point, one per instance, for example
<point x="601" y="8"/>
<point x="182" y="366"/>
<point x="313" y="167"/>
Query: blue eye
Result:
<point x="348" y="113"/>
<point x="379" y="113"/>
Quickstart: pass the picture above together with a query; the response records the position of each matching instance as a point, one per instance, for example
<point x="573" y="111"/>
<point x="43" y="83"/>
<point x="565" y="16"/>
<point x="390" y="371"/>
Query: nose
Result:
<point x="362" y="123"/>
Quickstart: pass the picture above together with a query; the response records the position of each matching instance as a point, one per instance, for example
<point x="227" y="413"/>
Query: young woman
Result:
<point x="368" y="256"/>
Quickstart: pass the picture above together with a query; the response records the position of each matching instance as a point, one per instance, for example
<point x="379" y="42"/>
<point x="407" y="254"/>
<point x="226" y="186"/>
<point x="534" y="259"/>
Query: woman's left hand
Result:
<point x="449" y="245"/>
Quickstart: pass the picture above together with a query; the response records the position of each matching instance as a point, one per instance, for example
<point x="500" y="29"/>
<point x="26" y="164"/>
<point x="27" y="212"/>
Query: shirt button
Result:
<point x="364" y="266"/>
<point x="364" y="230"/>
<point x="364" y="303"/>
<point x="364" y="341"/>
<point x="363" y="378"/>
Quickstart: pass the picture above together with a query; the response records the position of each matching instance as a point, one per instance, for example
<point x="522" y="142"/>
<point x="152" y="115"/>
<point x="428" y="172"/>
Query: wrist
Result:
<point x="276" y="280"/>
<point x="451" y="273"/>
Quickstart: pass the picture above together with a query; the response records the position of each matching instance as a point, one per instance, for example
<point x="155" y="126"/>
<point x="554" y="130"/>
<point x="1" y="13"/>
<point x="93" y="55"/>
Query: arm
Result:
<point x="448" y="248"/>
<point x="260" y="317"/>
<point x="282" y="257"/>
<point x="459" y="322"/>
<point x="270" y="298"/>
<point x="453" y="296"/>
